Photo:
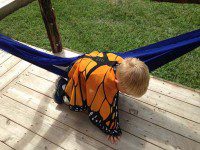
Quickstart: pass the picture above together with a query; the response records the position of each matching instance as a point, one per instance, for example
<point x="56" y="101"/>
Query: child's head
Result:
<point x="132" y="77"/>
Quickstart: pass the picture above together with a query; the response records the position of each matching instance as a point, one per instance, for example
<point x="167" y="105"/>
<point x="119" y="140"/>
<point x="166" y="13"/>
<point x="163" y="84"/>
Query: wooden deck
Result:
<point x="167" y="117"/>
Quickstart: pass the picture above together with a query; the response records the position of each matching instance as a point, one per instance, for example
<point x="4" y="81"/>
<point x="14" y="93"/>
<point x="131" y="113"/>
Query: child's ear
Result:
<point x="116" y="81"/>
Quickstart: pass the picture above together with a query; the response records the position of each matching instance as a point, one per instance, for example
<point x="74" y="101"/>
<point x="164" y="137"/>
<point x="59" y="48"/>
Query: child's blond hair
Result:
<point x="133" y="76"/>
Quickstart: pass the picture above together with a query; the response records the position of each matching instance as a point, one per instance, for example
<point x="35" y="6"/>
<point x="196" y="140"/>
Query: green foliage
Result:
<point x="113" y="25"/>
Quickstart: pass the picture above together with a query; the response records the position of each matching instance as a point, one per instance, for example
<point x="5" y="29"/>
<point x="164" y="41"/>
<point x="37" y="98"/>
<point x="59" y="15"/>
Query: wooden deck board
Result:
<point x="4" y="57"/>
<point x="19" y="137"/>
<point x="175" y="91"/>
<point x="131" y="124"/>
<point x="13" y="73"/>
<point x="47" y="127"/>
<point x="162" y="119"/>
<point x="134" y="125"/>
<point x="27" y="96"/>
<point x="7" y="65"/>
<point x="4" y="146"/>
<point x="148" y="111"/>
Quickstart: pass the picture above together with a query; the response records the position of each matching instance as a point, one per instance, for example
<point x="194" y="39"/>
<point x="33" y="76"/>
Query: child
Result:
<point x="93" y="84"/>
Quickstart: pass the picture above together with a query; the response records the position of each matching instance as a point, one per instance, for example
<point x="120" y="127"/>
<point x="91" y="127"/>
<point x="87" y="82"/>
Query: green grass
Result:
<point x="87" y="25"/>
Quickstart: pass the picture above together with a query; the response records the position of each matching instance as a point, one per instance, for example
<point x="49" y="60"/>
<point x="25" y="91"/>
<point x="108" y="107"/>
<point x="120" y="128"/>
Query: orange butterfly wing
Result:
<point x="102" y="98"/>
<point x="97" y="91"/>
<point x="75" y="89"/>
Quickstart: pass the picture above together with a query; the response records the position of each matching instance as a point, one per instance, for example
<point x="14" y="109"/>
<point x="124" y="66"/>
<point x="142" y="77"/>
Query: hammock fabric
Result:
<point x="154" y="55"/>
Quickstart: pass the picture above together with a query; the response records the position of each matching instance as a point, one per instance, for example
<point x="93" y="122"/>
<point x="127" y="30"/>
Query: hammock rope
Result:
<point x="154" y="55"/>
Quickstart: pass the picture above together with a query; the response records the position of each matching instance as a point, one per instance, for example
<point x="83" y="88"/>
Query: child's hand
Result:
<point x="113" y="139"/>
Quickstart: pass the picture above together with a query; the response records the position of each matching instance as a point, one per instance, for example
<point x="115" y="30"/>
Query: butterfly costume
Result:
<point x="91" y="86"/>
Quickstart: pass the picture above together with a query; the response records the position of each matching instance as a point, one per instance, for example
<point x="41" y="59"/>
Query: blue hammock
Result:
<point x="154" y="55"/>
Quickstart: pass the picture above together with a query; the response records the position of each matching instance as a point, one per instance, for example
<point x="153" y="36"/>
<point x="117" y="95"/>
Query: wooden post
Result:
<point x="49" y="19"/>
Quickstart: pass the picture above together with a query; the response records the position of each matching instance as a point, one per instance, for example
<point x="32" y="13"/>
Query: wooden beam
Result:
<point x="9" y="6"/>
<point x="180" y="1"/>
<point x="49" y="19"/>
